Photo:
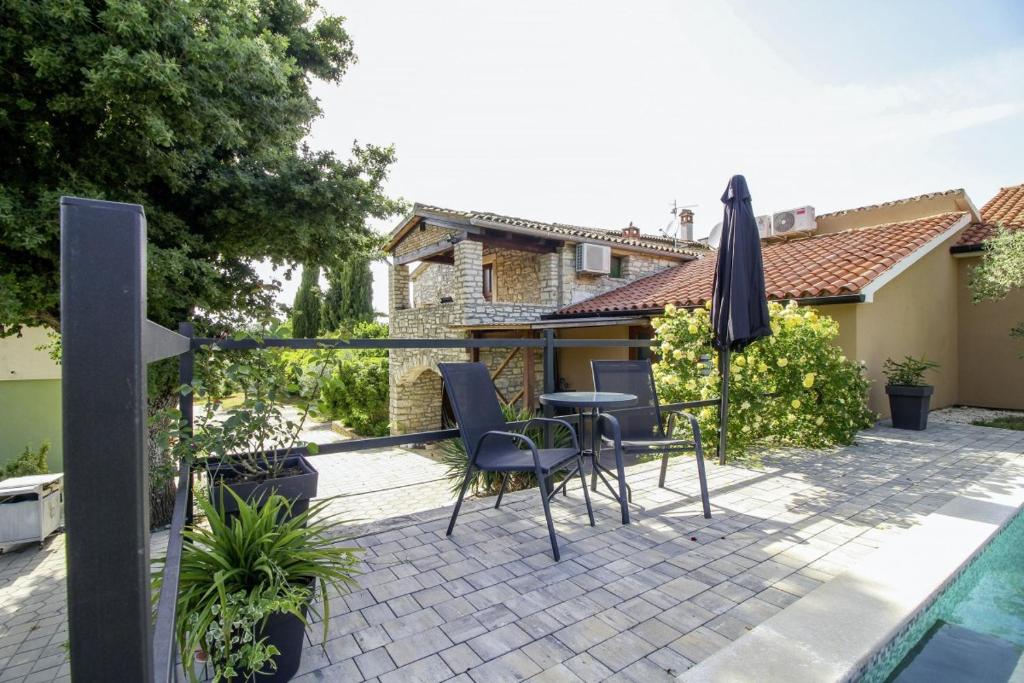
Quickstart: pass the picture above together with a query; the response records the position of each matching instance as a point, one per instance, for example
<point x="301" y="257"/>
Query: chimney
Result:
<point x="631" y="231"/>
<point x="686" y="225"/>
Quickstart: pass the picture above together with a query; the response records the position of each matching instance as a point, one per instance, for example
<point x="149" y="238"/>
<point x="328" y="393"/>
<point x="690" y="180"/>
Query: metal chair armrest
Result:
<point x="513" y="435"/>
<point x="555" y="420"/>
<point x="694" y="426"/>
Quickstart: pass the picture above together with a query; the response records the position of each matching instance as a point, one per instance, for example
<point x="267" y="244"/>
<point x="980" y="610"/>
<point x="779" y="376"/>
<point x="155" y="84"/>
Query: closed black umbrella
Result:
<point x="739" y="309"/>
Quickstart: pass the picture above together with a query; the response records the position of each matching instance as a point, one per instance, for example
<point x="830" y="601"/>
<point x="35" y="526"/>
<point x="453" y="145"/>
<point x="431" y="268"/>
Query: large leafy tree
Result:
<point x="1001" y="270"/>
<point x="197" y="110"/>
<point x="349" y="296"/>
<point x="308" y="302"/>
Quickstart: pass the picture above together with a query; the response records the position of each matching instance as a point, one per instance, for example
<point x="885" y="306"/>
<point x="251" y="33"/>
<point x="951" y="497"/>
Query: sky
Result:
<point x="602" y="113"/>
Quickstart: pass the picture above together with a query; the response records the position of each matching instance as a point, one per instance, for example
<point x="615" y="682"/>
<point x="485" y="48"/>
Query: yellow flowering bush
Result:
<point x="817" y="395"/>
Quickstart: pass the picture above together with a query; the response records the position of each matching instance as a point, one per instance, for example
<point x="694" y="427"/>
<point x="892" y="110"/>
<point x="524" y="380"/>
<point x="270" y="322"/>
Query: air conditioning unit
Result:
<point x="593" y="258"/>
<point x="764" y="226"/>
<point x="794" y="220"/>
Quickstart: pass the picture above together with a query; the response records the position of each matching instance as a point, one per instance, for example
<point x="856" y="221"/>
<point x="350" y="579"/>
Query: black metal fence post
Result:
<point x="550" y="382"/>
<point x="186" y="402"/>
<point x="103" y="314"/>
<point x="723" y="406"/>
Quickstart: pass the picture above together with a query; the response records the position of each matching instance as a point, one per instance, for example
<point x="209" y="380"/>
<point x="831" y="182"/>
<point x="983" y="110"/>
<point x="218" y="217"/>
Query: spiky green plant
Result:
<point x="239" y="570"/>
<point x="453" y="455"/>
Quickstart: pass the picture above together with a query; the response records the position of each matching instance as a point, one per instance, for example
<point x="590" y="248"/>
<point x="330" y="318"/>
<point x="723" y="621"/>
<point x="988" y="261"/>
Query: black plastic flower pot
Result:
<point x="299" y="485"/>
<point x="909" y="405"/>
<point x="285" y="632"/>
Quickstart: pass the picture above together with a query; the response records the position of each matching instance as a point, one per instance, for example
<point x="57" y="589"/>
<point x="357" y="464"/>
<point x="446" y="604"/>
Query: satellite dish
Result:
<point x="715" y="238"/>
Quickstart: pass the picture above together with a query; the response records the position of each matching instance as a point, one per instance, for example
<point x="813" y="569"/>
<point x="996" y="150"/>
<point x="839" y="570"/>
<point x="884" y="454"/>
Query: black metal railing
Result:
<point x="107" y="344"/>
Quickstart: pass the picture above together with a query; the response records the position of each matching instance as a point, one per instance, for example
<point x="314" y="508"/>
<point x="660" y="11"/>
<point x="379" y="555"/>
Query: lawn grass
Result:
<point x="1006" y="422"/>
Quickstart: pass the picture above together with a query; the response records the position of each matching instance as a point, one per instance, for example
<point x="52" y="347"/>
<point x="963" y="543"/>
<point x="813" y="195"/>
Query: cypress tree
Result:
<point x="349" y="297"/>
<point x="306" y="310"/>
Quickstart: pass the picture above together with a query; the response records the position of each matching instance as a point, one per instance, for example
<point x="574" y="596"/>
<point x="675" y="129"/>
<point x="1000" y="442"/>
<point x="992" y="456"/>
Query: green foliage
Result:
<point x="28" y="463"/>
<point x="238" y="571"/>
<point x="817" y="396"/>
<point x="196" y="110"/>
<point x="453" y="455"/>
<point x="356" y="393"/>
<point x="353" y="386"/>
<point x="306" y="311"/>
<point x="246" y="435"/>
<point x="1005" y="422"/>
<point x="349" y="297"/>
<point x="1001" y="270"/>
<point x="909" y="372"/>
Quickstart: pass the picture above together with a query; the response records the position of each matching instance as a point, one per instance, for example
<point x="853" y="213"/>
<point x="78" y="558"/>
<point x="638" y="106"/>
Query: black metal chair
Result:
<point x="643" y="429"/>
<point x="492" y="446"/>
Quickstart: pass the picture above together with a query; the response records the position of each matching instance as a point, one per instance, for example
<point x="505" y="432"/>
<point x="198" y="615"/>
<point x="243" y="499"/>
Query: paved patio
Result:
<point x="641" y="602"/>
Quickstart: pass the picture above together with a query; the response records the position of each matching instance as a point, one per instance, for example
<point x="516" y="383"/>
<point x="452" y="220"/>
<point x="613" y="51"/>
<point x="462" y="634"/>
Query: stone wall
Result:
<point x="510" y="381"/>
<point x="516" y="276"/>
<point x="430" y="282"/>
<point x="579" y="286"/>
<point x="414" y="383"/>
<point x="419" y="237"/>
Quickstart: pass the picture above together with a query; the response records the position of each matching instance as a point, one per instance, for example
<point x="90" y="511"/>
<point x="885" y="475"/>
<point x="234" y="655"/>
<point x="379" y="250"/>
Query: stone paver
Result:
<point x="639" y="602"/>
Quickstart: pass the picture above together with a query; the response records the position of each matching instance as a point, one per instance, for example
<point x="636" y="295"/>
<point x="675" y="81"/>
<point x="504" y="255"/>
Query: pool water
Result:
<point x="974" y="631"/>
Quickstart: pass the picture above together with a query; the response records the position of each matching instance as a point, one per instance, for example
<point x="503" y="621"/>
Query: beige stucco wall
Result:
<point x="991" y="366"/>
<point x="894" y="213"/>
<point x="574" y="364"/>
<point x="914" y="314"/>
<point x="20" y="360"/>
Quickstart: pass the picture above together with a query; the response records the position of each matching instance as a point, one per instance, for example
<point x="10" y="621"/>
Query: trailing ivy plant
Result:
<point x="794" y="387"/>
<point x="237" y="571"/>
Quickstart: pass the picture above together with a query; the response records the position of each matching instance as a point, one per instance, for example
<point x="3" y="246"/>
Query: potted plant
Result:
<point x="909" y="396"/>
<point x="247" y="583"/>
<point x="251" y="446"/>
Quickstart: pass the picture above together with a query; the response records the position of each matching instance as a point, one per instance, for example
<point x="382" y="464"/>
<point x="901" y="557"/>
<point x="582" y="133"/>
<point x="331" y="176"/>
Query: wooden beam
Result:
<point x="452" y="225"/>
<point x="506" y="240"/>
<point x="528" y="374"/>
<point x="429" y="251"/>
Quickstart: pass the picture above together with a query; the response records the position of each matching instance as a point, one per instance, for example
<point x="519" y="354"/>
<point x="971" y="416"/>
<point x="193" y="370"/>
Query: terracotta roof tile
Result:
<point x="652" y="242"/>
<point x="895" y="202"/>
<point x="1006" y="208"/>
<point x="817" y="266"/>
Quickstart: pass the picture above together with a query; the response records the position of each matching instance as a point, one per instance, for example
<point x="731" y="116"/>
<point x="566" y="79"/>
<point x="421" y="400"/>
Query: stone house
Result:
<point x="477" y="274"/>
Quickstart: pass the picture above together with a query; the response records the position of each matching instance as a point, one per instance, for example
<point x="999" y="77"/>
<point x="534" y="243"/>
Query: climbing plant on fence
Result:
<point x="817" y="394"/>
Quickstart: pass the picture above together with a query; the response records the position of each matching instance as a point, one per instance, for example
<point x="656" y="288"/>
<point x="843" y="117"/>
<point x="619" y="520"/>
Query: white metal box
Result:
<point x="31" y="508"/>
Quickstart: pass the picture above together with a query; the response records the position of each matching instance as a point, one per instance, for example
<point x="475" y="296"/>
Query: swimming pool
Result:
<point x="974" y="631"/>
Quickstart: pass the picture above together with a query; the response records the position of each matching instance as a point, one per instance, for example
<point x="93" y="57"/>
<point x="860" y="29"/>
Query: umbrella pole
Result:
<point x="723" y="409"/>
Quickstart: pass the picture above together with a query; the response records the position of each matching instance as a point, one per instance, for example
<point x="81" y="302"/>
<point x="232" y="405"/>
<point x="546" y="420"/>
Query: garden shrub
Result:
<point x="817" y="394"/>
<point x="30" y="462"/>
<point x="356" y="393"/>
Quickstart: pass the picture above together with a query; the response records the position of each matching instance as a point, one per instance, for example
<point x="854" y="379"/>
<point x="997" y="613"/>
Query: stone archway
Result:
<point x="416" y="400"/>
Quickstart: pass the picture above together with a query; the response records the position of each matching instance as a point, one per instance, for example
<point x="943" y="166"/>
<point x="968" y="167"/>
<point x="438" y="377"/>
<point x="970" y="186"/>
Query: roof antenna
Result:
<point x="674" y="228"/>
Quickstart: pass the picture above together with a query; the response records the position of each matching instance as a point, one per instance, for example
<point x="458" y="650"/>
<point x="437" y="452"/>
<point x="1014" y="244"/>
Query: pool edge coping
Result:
<point x="836" y="631"/>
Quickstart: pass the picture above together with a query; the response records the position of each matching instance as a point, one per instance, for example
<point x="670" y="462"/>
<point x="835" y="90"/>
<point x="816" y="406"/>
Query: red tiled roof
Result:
<point x="1006" y="208"/>
<point x="834" y="264"/>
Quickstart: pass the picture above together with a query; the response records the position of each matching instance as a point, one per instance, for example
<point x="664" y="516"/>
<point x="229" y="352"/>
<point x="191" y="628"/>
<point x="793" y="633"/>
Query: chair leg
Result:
<point x="596" y="458"/>
<point x="547" y="515"/>
<point x="664" y="470"/>
<point x="586" y="493"/>
<point x="699" y="453"/>
<point x="625" y="495"/>
<point x="501" y="491"/>
<point x="458" y="503"/>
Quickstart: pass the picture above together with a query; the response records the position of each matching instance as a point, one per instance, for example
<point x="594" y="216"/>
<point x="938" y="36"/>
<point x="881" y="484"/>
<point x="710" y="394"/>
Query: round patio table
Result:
<point x="590" y="404"/>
